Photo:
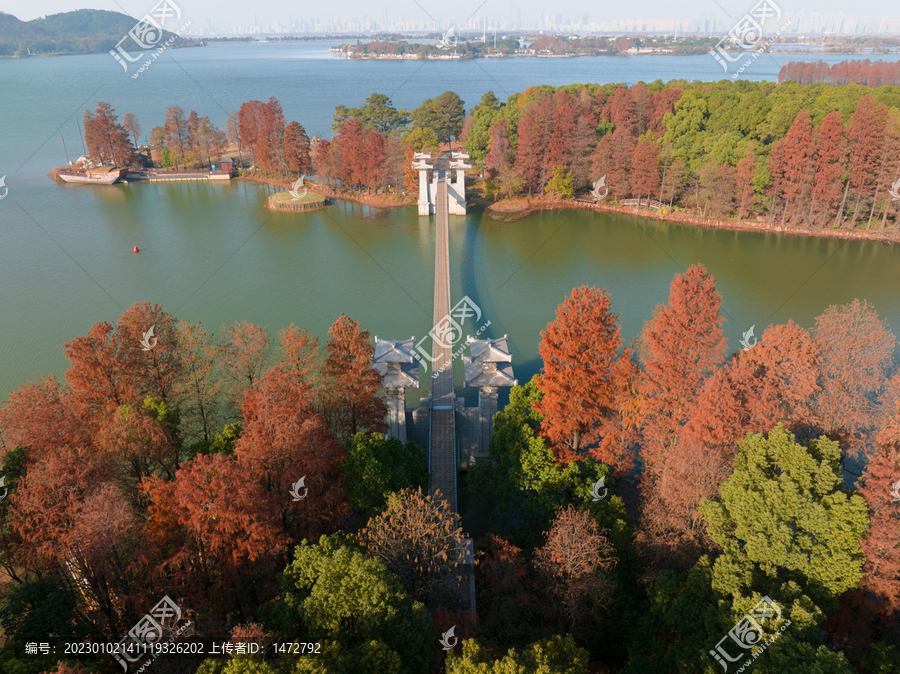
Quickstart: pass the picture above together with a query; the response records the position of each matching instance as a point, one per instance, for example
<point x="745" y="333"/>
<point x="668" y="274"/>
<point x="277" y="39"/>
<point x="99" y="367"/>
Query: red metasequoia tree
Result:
<point x="865" y="135"/>
<point x="499" y="149"/>
<point x="296" y="148"/>
<point x="788" y="164"/>
<point x="41" y="417"/>
<point x="564" y="117"/>
<point x="70" y="518"/>
<point x="585" y="383"/>
<point x="349" y="151"/>
<point x="873" y="606"/>
<point x="828" y="158"/>
<point x="865" y="72"/>
<point x="208" y="530"/>
<point x="110" y="367"/>
<point x="157" y="370"/>
<point x="645" y="170"/>
<point x="283" y="441"/>
<point x="270" y="136"/>
<point x="199" y="388"/>
<point x="248" y="125"/>
<point x="107" y="141"/>
<point x="300" y="352"/>
<point x="95" y="374"/>
<point x="855" y="355"/>
<point x="685" y="345"/>
<point x="244" y="356"/>
<point x="881" y="573"/>
<point x="620" y="109"/>
<point x="350" y="382"/>
<point x="532" y="147"/>
<point x="773" y="382"/>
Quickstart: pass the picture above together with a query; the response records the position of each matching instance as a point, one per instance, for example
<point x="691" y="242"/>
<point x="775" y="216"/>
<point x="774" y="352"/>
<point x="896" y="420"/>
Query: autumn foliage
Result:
<point x="798" y="159"/>
<point x="197" y="465"/>
<point x="420" y="540"/>
<point x="126" y="485"/>
<point x="865" y="72"/>
<point x="574" y="562"/>
<point x="585" y="382"/>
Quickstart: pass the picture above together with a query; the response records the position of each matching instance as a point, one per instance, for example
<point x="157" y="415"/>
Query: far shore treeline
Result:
<point x="815" y="156"/>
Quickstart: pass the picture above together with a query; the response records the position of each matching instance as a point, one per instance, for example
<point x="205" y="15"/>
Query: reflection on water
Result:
<point x="213" y="253"/>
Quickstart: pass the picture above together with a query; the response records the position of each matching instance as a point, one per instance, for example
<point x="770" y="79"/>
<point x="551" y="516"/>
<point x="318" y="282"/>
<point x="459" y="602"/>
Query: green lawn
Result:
<point x="287" y="198"/>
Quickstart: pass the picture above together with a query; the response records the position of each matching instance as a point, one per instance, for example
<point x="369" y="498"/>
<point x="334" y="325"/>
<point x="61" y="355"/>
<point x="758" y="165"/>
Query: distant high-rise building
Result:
<point x="585" y="20"/>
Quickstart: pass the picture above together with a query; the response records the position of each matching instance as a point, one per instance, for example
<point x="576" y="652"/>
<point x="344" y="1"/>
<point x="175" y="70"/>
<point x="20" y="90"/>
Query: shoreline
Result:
<point x="651" y="52"/>
<point x="516" y="209"/>
<point x="372" y="201"/>
<point x="519" y="210"/>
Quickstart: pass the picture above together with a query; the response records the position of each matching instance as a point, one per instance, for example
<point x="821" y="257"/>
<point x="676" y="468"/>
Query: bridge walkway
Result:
<point x="442" y="435"/>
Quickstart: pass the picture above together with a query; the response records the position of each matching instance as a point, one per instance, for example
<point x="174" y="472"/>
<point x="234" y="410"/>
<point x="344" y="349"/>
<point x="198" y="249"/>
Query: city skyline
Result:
<point x="353" y="16"/>
<point x="799" y="23"/>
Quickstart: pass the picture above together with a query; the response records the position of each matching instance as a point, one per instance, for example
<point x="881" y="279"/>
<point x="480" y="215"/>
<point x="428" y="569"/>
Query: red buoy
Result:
<point x="136" y="249"/>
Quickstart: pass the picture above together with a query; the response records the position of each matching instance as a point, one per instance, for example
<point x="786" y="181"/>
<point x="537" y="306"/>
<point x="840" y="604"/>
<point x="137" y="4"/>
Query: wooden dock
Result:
<point x="177" y="175"/>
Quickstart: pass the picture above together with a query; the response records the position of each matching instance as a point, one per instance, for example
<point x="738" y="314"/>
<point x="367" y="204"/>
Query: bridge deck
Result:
<point x="442" y="438"/>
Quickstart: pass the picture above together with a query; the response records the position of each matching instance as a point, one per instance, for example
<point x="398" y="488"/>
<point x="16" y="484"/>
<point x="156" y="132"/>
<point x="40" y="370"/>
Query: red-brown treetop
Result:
<point x="856" y="354"/>
<point x="580" y="380"/>
<point x="226" y="514"/>
<point x="881" y="573"/>
<point x="351" y="382"/>
<point x="685" y="345"/>
<point x="49" y="500"/>
<point x="41" y="417"/>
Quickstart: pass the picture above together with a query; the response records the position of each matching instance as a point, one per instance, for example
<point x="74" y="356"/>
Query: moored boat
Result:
<point x="102" y="175"/>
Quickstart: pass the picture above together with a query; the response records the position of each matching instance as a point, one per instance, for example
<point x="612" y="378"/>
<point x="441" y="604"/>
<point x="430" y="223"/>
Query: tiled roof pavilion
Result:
<point x="490" y="363"/>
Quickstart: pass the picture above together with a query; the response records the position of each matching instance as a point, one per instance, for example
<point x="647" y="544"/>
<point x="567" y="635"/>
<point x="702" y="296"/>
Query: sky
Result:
<point x="243" y="12"/>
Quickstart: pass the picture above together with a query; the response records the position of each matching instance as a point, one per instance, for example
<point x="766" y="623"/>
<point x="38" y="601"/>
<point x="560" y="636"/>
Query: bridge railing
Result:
<point x="650" y="203"/>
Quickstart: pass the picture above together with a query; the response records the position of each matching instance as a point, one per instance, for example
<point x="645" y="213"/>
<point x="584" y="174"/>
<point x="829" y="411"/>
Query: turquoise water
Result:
<point x="212" y="252"/>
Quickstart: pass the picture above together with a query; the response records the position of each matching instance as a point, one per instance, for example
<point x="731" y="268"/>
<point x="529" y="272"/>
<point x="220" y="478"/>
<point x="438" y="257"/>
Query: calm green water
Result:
<point x="211" y="252"/>
<point x="214" y="253"/>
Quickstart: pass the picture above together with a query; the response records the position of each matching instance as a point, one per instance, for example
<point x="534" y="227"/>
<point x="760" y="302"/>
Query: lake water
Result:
<point x="211" y="252"/>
